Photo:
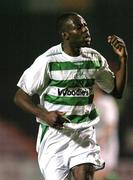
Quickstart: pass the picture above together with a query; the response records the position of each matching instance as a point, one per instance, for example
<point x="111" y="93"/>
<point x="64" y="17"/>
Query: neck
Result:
<point x="71" y="51"/>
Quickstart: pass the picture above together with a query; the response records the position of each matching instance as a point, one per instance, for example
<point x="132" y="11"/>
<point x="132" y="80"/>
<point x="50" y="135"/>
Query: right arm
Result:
<point x="52" y="118"/>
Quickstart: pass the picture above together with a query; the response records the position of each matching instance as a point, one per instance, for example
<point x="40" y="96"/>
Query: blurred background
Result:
<point x="27" y="29"/>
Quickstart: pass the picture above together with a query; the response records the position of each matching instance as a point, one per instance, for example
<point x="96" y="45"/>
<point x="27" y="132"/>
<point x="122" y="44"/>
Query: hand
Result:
<point x="118" y="45"/>
<point x="55" y="119"/>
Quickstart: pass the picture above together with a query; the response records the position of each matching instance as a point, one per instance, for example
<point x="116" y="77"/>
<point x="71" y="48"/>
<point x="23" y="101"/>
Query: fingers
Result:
<point x="59" y="120"/>
<point x="116" y="42"/>
<point x="66" y="119"/>
<point x="60" y="113"/>
<point x="118" y="45"/>
<point x="62" y="118"/>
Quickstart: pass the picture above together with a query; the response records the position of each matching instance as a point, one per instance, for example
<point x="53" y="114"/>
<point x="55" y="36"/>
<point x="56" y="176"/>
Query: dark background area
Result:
<point x="25" y="35"/>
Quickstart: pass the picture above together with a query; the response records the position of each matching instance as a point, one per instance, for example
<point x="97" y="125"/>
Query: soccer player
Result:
<point x="63" y="77"/>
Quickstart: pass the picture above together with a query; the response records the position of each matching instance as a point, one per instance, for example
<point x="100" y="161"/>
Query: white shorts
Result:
<point x="60" y="150"/>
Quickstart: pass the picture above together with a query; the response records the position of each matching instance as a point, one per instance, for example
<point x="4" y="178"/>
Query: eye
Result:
<point x="79" y="26"/>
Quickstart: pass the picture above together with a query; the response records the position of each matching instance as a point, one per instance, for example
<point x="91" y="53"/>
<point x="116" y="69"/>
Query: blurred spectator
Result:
<point x="107" y="134"/>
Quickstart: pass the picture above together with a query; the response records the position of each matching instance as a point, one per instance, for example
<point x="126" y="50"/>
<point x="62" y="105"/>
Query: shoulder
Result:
<point x="47" y="55"/>
<point x="89" y="50"/>
<point x="92" y="53"/>
<point x="55" y="50"/>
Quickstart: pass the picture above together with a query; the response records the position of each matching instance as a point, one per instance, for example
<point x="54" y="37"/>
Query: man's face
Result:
<point x="78" y="31"/>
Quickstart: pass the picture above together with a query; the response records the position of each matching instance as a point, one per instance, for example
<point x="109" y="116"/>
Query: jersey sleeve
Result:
<point x="104" y="77"/>
<point x="35" y="78"/>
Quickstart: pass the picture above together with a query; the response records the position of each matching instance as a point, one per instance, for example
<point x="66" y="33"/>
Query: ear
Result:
<point x="65" y="35"/>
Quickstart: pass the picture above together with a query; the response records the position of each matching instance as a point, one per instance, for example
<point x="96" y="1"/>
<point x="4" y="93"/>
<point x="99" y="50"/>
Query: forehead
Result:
<point x="76" y="20"/>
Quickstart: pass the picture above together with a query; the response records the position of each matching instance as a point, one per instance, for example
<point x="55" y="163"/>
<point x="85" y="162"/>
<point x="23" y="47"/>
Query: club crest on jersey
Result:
<point x="73" y="92"/>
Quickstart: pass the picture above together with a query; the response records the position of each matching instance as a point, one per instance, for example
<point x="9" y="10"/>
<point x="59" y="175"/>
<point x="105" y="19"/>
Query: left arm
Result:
<point x="119" y="48"/>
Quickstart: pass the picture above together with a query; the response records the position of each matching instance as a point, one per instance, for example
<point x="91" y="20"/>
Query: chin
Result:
<point x="86" y="45"/>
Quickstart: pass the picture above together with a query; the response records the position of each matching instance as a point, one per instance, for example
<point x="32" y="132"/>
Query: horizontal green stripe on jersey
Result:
<point x="72" y="83"/>
<point x="72" y="101"/>
<point x="54" y="66"/>
<point x="86" y="117"/>
<point x="74" y="119"/>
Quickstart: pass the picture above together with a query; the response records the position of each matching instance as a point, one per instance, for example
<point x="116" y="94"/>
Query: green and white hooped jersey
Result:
<point x="65" y="83"/>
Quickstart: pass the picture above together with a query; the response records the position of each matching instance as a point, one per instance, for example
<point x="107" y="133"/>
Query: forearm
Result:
<point x="25" y="102"/>
<point x="119" y="48"/>
<point x="120" y="78"/>
<point x="53" y="118"/>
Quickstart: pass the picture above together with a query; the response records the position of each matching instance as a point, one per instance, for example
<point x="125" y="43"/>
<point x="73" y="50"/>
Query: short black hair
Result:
<point x="61" y="21"/>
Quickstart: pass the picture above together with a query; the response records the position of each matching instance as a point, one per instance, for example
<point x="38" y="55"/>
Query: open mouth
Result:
<point x="87" y="39"/>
